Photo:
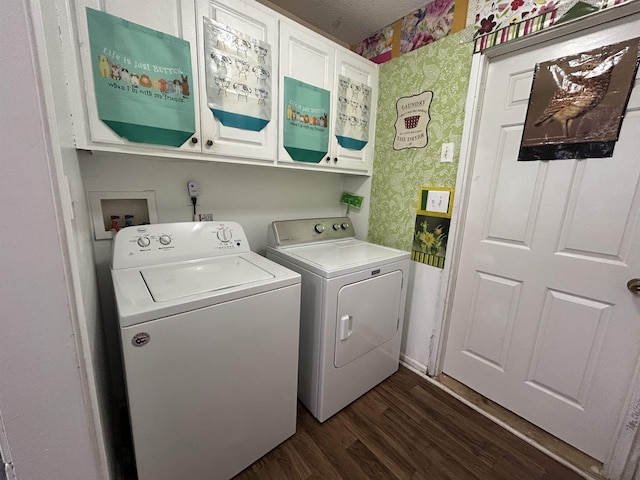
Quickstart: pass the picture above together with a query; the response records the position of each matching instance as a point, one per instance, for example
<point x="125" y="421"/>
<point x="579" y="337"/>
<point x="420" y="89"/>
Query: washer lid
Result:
<point x="342" y="256"/>
<point x="171" y="282"/>
<point x="160" y="291"/>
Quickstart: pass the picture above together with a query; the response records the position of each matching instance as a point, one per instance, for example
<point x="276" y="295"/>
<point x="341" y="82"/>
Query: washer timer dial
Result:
<point x="165" y="239"/>
<point x="224" y="235"/>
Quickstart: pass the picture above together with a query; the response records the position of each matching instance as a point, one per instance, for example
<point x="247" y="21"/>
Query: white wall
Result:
<point x="420" y="315"/>
<point x="253" y="196"/>
<point x="46" y="412"/>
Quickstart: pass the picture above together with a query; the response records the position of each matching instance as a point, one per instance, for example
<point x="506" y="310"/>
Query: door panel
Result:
<point x="306" y="57"/>
<point x="139" y="12"/>
<point x="259" y="23"/>
<point x="494" y="307"/>
<point x="549" y="330"/>
<point x="513" y="209"/>
<point x="360" y="70"/>
<point x="552" y="370"/>
<point x="612" y="241"/>
<point x="168" y="16"/>
<point x="367" y="316"/>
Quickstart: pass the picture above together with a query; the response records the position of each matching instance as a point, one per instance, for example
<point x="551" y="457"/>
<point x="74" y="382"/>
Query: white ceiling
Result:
<point x="349" y="21"/>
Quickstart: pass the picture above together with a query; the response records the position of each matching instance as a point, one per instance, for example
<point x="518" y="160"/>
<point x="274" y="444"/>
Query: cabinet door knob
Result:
<point x="194" y="140"/>
<point x="209" y="143"/>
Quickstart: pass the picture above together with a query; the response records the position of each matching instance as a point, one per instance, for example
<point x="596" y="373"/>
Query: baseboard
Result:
<point x="413" y="365"/>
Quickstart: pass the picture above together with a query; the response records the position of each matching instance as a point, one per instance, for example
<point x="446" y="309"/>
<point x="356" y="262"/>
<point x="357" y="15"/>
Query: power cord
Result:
<point x="192" y="188"/>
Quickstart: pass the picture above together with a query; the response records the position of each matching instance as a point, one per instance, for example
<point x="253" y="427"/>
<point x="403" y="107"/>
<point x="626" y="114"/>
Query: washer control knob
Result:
<point x="224" y="235"/>
<point x="144" y="242"/>
<point x="345" y="225"/>
<point x="165" y="239"/>
<point x="319" y="228"/>
<point x="336" y="226"/>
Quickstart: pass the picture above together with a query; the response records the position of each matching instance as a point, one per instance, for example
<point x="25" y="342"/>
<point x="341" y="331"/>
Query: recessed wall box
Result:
<point x="104" y="205"/>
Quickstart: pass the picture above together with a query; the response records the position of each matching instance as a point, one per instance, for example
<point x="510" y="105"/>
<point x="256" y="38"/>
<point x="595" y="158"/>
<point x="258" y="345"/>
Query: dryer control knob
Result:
<point x="144" y="242"/>
<point x="345" y="225"/>
<point x="336" y="226"/>
<point x="165" y="239"/>
<point x="319" y="228"/>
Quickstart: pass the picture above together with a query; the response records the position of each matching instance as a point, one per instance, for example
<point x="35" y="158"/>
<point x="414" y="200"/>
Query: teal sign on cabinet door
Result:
<point x="141" y="78"/>
<point x="306" y="121"/>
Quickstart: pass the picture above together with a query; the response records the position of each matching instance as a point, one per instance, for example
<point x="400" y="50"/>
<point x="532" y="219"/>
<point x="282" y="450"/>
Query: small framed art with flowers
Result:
<point x="433" y="220"/>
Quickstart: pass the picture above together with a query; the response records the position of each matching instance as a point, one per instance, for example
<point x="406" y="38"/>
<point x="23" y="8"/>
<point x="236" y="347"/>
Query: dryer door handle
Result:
<point x="346" y="327"/>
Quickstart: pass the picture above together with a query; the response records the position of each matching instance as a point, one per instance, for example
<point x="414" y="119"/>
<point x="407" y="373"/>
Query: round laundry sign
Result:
<point x="412" y="118"/>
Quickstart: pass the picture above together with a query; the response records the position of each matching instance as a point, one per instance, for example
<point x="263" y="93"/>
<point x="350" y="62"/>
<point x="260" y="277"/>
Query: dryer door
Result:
<point x="367" y="316"/>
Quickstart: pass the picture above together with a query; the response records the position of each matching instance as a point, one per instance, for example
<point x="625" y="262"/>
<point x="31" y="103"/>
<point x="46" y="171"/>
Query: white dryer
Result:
<point x="209" y="336"/>
<point x="352" y="309"/>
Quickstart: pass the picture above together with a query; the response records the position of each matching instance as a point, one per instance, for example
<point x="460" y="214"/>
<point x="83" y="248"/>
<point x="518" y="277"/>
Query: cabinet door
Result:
<point x="308" y="57"/>
<point x="361" y="70"/>
<point x="168" y="16"/>
<point x="259" y="23"/>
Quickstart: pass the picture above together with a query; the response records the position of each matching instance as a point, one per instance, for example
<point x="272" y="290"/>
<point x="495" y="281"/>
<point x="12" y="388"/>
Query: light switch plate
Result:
<point x="447" y="153"/>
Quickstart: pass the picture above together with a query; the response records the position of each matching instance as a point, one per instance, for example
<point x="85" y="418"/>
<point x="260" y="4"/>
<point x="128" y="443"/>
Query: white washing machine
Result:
<point x="209" y="336"/>
<point x="352" y="309"/>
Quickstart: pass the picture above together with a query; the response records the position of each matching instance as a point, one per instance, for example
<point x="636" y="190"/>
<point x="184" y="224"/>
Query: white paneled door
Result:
<point x="542" y="320"/>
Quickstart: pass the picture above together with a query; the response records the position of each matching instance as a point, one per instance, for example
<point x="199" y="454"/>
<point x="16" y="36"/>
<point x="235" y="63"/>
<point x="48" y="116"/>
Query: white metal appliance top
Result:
<point x="173" y="242"/>
<point x="166" y="269"/>
<point x="331" y="251"/>
<point x="285" y="233"/>
<point x="170" y="282"/>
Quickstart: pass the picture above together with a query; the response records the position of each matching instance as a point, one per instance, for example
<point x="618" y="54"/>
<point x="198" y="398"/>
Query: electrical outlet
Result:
<point x="194" y="192"/>
<point x="205" y="217"/>
<point x="447" y="153"/>
<point x="192" y="188"/>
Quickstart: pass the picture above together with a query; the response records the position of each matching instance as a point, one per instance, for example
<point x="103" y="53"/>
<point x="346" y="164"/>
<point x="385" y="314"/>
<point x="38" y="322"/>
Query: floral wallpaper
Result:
<point x="492" y="16"/>
<point x="500" y="21"/>
<point x="442" y="67"/>
<point x="421" y="27"/>
<point x="426" y="25"/>
<point x="378" y="46"/>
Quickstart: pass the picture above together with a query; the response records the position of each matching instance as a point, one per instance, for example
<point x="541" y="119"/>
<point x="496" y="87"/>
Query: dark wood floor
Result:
<point x="405" y="428"/>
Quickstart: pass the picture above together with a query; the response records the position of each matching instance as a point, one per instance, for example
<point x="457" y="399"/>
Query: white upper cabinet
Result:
<point x="172" y="17"/>
<point x="311" y="58"/>
<point x="259" y="76"/>
<point x="362" y="107"/>
<point x="238" y="80"/>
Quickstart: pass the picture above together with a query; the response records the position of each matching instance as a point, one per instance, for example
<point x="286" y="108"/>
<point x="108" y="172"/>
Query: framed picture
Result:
<point x="430" y="240"/>
<point x="435" y="201"/>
